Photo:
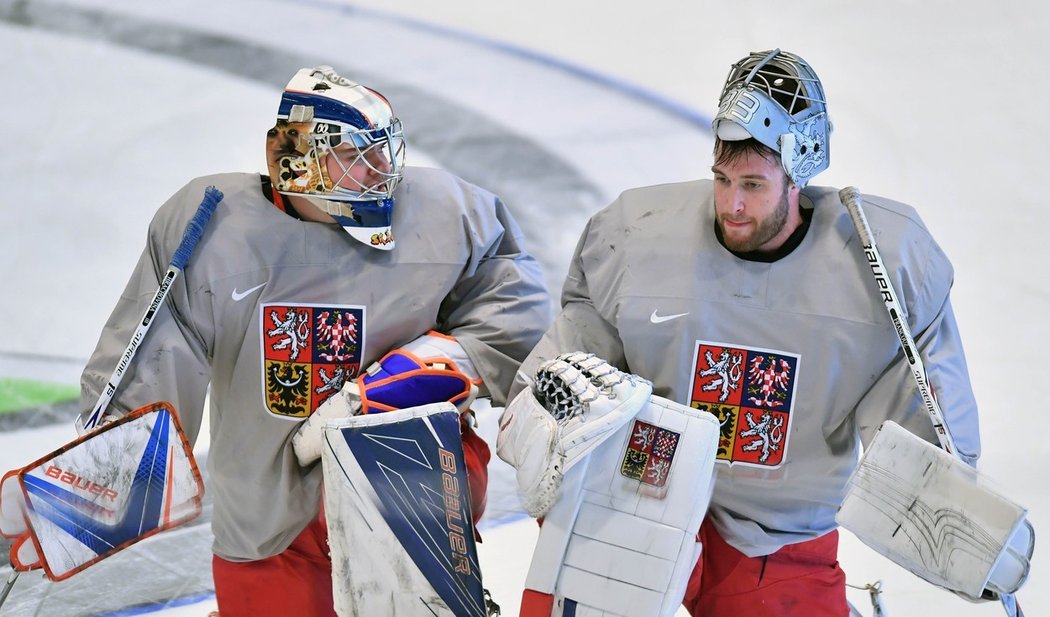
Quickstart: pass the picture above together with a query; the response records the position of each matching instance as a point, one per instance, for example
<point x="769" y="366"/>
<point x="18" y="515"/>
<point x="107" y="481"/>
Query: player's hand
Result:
<point x="78" y="422"/>
<point x="589" y="398"/>
<point x="308" y="438"/>
<point x="399" y="380"/>
<point x="577" y="401"/>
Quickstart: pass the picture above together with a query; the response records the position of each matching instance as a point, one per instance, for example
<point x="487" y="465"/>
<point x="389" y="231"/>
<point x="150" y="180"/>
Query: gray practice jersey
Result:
<point x="796" y="358"/>
<point x="276" y="313"/>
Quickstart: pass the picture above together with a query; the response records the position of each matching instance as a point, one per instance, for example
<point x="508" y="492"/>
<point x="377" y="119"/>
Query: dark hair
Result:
<point x="727" y="152"/>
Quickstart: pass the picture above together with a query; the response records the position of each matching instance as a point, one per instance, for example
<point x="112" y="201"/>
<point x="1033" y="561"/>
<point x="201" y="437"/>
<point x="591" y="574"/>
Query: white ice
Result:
<point x="938" y="104"/>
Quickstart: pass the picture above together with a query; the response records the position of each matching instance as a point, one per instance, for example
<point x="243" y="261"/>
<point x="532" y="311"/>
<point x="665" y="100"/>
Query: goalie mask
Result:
<point x="338" y="144"/>
<point x="776" y="98"/>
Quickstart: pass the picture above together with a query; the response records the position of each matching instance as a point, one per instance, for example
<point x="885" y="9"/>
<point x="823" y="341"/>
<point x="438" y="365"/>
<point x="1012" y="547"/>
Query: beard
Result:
<point x="765" y="230"/>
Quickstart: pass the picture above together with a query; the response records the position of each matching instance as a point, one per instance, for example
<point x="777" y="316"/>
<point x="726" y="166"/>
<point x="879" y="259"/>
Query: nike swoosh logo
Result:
<point x="240" y="295"/>
<point x="654" y="318"/>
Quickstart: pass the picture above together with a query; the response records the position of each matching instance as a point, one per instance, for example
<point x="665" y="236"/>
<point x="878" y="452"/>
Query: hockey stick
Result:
<point x="8" y="585"/>
<point x="190" y="237"/>
<point x="851" y="198"/>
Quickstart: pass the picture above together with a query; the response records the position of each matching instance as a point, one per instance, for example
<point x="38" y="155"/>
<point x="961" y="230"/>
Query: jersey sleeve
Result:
<point x="579" y="326"/>
<point x="170" y="363"/>
<point x="895" y="396"/>
<point x="500" y="306"/>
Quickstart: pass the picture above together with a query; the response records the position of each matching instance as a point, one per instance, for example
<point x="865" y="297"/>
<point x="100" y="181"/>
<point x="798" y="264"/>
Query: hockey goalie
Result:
<point x="621" y="480"/>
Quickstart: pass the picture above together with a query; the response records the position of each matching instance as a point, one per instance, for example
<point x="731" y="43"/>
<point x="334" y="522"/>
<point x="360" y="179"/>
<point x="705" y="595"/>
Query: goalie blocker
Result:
<point x="947" y="524"/>
<point x="630" y="477"/>
<point x="119" y="484"/>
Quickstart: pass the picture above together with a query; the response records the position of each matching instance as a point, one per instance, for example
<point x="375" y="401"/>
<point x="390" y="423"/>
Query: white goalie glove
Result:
<point x="622" y="479"/>
<point x="578" y="400"/>
<point x="308" y="438"/>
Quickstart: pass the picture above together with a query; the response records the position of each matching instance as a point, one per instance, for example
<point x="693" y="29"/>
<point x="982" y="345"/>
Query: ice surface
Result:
<point x="112" y="104"/>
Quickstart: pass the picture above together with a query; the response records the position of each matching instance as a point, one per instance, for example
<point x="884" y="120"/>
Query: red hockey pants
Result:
<point x="799" y="579"/>
<point x="298" y="581"/>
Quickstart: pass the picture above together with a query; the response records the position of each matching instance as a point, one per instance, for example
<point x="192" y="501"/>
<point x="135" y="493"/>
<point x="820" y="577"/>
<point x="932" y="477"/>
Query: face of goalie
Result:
<point x="345" y="166"/>
<point x="359" y="169"/>
<point x="756" y="206"/>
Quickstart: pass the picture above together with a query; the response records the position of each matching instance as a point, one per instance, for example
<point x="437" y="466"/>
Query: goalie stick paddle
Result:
<point x="851" y="198"/>
<point x="89" y="499"/>
<point x="190" y="238"/>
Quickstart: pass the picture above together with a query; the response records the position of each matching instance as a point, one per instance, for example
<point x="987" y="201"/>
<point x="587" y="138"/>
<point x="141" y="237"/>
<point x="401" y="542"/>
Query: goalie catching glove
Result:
<point x="401" y="379"/>
<point x="577" y="401"/>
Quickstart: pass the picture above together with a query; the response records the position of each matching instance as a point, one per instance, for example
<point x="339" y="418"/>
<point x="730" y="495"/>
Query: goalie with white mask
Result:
<point x="338" y="146"/>
<point x="294" y="290"/>
<point x="749" y="296"/>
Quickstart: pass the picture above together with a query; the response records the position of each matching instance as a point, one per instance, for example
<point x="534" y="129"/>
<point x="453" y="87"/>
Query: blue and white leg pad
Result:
<point x="400" y="527"/>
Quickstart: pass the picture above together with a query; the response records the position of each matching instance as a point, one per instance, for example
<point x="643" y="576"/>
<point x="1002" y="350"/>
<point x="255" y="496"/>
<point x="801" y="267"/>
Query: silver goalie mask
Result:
<point x="777" y="99"/>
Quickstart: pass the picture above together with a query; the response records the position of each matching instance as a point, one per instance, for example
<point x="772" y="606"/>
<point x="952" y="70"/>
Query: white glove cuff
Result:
<point x="526" y="441"/>
<point x="436" y="345"/>
<point x="309" y="437"/>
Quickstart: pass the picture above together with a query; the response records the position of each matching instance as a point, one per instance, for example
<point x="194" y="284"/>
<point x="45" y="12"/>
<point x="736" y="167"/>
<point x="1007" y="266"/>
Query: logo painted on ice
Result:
<point x="308" y="353"/>
<point x="650" y="452"/>
<point x="751" y="392"/>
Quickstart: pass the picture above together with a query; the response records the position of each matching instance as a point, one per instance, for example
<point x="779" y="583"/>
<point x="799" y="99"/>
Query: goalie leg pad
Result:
<point x="399" y="517"/>
<point x="936" y="516"/>
<point x="621" y="537"/>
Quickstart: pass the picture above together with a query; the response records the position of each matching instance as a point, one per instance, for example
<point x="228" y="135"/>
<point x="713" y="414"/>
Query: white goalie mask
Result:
<point x="338" y="144"/>
<point x="777" y="99"/>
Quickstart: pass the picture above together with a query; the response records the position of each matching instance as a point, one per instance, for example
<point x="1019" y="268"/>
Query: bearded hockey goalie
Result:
<point x="621" y="479"/>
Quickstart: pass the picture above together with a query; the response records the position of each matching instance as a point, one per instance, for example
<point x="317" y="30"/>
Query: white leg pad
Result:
<point x="399" y="522"/>
<point x="621" y="538"/>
